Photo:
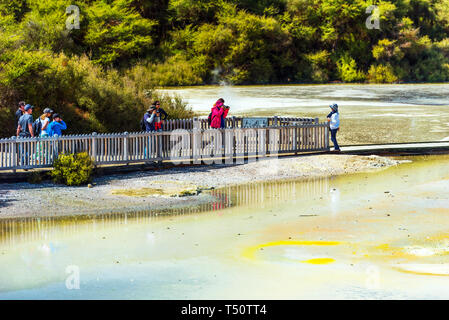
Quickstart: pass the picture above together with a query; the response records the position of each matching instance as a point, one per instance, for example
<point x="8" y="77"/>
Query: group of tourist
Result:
<point x="49" y="124"/>
<point x="154" y="117"/>
<point x="153" y="120"/>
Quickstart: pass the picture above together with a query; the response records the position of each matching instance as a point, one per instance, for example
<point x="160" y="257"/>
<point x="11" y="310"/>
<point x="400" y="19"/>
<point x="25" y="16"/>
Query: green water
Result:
<point x="372" y="235"/>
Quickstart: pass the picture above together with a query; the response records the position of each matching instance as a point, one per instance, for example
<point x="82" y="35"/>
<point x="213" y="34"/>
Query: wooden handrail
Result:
<point x="193" y="144"/>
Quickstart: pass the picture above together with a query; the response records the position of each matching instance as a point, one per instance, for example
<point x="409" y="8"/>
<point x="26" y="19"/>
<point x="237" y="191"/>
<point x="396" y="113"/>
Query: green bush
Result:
<point x="176" y="71"/>
<point x="381" y="74"/>
<point x="318" y="65"/>
<point x="72" y="169"/>
<point x="88" y="97"/>
<point x="347" y="70"/>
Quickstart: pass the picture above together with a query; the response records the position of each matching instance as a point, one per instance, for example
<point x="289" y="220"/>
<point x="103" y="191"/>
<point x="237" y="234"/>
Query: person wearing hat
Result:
<point x="25" y="125"/>
<point x="20" y="111"/>
<point x="56" y="126"/>
<point x="45" y="120"/>
<point x="334" y="124"/>
<point x="149" y="119"/>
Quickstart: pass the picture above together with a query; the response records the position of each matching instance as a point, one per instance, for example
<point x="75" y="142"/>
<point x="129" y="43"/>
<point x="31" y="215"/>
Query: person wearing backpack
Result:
<point x="40" y="130"/>
<point x="218" y="113"/>
<point x="21" y="111"/>
<point x="147" y="124"/>
<point x="45" y="120"/>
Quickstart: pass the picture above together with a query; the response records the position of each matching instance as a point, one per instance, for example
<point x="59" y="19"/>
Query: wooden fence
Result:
<point x="234" y="122"/>
<point x="187" y="145"/>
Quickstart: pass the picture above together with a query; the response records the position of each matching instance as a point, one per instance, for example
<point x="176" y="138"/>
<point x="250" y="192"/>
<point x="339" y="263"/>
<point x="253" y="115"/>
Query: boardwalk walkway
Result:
<point x="414" y="148"/>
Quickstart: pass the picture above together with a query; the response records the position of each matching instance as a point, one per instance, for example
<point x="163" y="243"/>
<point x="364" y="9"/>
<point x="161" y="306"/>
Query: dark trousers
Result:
<point x="334" y="138"/>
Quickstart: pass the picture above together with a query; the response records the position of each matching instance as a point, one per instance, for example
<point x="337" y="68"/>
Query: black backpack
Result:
<point x="209" y="119"/>
<point x="37" y="127"/>
<point x="143" y="127"/>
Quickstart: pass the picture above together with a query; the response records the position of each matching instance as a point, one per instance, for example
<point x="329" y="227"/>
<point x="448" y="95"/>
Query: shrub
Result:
<point x="382" y="74"/>
<point x="176" y="71"/>
<point x="347" y="70"/>
<point x="89" y="98"/>
<point x="73" y="169"/>
<point x="318" y="64"/>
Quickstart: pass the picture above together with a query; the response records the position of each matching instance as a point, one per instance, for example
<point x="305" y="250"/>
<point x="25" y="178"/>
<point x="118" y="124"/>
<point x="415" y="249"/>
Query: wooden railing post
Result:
<point x="125" y="147"/>
<point x="275" y="121"/>
<point x="196" y="141"/>
<point x="14" y="150"/>
<point x="159" y="148"/>
<point x="56" y="147"/>
<point x="94" y="147"/>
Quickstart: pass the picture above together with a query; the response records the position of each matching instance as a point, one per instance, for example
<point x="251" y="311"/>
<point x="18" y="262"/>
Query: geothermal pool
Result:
<point x="378" y="235"/>
<point x="369" y="113"/>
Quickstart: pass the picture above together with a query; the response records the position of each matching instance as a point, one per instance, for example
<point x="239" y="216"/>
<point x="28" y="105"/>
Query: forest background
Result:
<point x="101" y="68"/>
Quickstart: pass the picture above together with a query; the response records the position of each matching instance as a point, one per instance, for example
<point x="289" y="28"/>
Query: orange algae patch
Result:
<point x="250" y="252"/>
<point x="320" y="261"/>
<point x="438" y="210"/>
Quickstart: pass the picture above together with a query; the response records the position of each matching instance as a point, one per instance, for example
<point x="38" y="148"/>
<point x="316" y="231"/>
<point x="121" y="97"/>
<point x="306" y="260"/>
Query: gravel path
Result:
<point x="152" y="189"/>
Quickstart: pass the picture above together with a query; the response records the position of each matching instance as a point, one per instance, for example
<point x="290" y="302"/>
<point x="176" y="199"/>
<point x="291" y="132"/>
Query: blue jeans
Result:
<point x="334" y="138"/>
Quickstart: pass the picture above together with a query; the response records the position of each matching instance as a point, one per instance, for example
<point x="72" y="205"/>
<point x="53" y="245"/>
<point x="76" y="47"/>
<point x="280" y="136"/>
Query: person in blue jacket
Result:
<point x="56" y="126"/>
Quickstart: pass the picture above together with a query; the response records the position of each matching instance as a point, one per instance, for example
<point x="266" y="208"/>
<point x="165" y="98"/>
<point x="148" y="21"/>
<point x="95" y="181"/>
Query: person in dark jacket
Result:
<point x="164" y="115"/>
<point x="20" y="111"/>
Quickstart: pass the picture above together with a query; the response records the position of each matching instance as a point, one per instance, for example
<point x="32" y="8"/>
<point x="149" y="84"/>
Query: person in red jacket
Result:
<point x="219" y="113"/>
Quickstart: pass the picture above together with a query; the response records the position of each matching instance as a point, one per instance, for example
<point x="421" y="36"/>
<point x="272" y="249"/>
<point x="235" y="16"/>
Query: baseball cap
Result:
<point x="28" y="107"/>
<point x="22" y="103"/>
<point x="48" y="110"/>
<point x="56" y="115"/>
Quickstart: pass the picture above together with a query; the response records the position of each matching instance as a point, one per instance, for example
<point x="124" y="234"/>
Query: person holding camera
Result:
<point x="56" y="126"/>
<point x="219" y="112"/>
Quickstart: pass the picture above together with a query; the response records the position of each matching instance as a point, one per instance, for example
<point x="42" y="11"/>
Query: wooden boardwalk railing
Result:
<point x="234" y="122"/>
<point x="187" y="145"/>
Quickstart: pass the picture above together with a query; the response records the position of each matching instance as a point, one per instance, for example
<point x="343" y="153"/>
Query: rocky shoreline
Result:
<point x="170" y="188"/>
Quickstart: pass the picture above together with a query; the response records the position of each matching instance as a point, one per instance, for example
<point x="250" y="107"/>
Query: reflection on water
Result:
<point x="16" y="231"/>
<point x="369" y="113"/>
<point x="284" y="240"/>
